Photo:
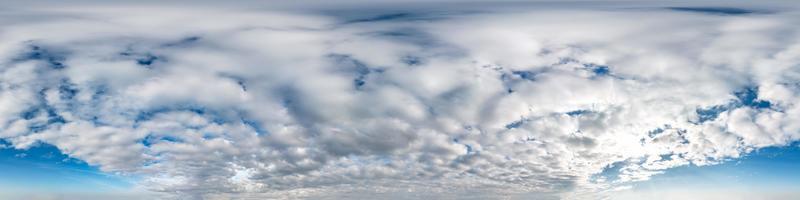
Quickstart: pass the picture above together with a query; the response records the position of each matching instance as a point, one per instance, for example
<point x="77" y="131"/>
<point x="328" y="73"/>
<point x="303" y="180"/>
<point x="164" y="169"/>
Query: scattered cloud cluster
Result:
<point x="552" y="103"/>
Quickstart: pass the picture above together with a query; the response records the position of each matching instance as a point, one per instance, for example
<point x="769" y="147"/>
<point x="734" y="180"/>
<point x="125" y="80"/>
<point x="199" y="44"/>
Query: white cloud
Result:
<point x="222" y="103"/>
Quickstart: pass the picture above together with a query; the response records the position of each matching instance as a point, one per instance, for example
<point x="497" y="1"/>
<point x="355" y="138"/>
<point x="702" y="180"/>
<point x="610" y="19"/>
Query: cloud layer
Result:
<point x="471" y="103"/>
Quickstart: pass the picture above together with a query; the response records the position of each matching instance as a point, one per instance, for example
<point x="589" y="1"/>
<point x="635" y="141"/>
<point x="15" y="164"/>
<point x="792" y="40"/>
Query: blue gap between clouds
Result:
<point x="54" y="59"/>
<point x="145" y="59"/>
<point x="44" y="109"/>
<point x="714" y="10"/>
<point x="746" y="97"/>
<point x="597" y="70"/>
<point x="183" y="42"/>
<point x="410" y="36"/>
<point x="578" y="112"/>
<point x="351" y="64"/>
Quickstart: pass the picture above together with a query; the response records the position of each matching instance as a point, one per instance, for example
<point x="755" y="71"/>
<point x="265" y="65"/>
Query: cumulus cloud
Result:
<point x="474" y="102"/>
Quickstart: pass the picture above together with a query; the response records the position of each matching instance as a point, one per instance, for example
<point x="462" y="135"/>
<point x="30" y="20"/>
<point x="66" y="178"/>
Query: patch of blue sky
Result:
<point x="610" y="173"/>
<point x="515" y="124"/>
<point x="746" y="97"/>
<point x="773" y="168"/>
<point x="45" y="169"/>
<point x="597" y="70"/>
<point x="527" y="75"/>
<point x="183" y="42"/>
<point x="714" y="10"/>
<point x="55" y="59"/>
<point x="578" y="112"/>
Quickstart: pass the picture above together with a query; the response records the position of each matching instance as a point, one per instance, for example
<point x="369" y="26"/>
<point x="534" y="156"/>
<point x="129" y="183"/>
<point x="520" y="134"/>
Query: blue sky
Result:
<point x="43" y="169"/>
<point x="769" y="173"/>
<point x="773" y="168"/>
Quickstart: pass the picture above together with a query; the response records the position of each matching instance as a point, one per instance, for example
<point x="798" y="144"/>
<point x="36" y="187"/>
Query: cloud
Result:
<point x="554" y="103"/>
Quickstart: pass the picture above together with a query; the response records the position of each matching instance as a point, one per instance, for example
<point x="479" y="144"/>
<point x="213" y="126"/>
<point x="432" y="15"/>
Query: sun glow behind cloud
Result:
<point x="517" y="100"/>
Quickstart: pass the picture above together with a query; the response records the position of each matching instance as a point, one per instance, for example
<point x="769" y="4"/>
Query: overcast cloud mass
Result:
<point x="399" y="100"/>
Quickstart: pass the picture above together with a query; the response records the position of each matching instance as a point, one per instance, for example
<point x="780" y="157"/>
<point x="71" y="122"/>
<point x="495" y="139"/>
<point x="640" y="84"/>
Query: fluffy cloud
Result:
<point x="232" y="103"/>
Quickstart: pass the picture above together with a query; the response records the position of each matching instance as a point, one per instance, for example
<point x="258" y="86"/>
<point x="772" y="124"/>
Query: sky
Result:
<point x="400" y="100"/>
